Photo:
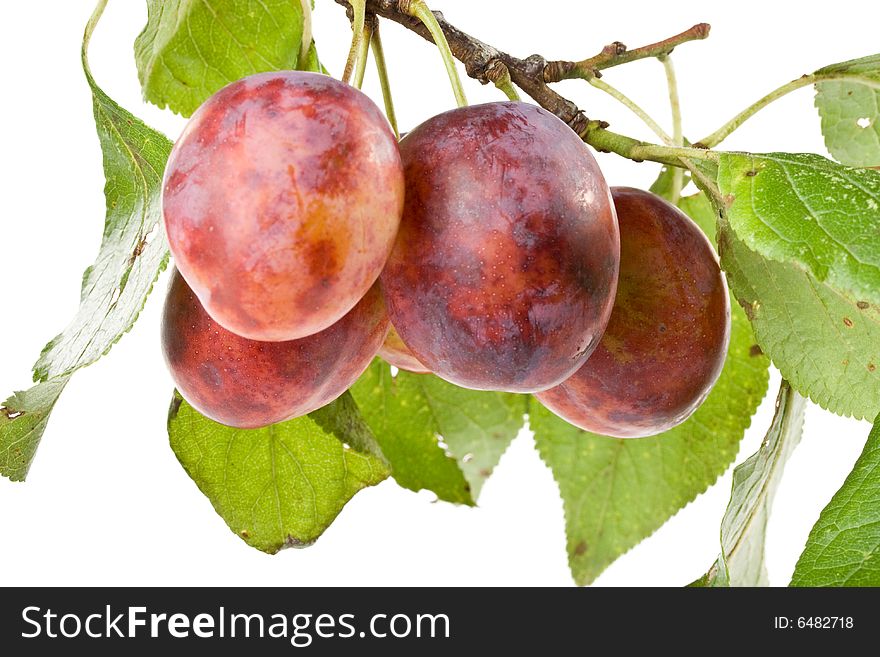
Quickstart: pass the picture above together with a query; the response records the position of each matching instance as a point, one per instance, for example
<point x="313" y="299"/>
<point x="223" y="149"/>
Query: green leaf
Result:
<point x="744" y="525"/>
<point x="280" y="486"/>
<point x="311" y="62"/>
<point x="618" y="492"/>
<point x="436" y="435"/>
<point x="663" y="185"/>
<point x="114" y="289"/>
<point x="809" y="212"/>
<point x="133" y="250"/>
<point x="826" y="345"/>
<point x="23" y="419"/>
<point x="850" y="111"/>
<point x="189" y="49"/>
<point x="843" y="548"/>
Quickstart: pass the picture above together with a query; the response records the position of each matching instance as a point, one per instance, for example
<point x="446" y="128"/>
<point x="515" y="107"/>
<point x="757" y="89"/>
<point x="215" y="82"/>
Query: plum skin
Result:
<point x="281" y="202"/>
<point x="667" y="340"/>
<point x="503" y="273"/>
<point x="394" y="352"/>
<point x="247" y="384"/>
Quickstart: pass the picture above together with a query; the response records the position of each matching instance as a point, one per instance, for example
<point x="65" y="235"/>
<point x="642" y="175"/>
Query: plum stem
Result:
<point x="363" y="52"/>
<point x="499" y="75"/>
<point x="805" y="80"/>
<point x="675" y="141"/>
<point x="677" y="137"/>
<point x="625" y="100"/>
<point x="357" y="33"/>
<point x="724" y="131"/>
<point x="382" y="70"/>
<point x="615" y="54"/>
<point x="418" y="9"/>
<point x="599" y="137"/>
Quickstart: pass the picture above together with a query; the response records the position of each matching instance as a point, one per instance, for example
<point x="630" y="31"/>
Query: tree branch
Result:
<point x="615" y="54"/>
<point x="482" y="61"/>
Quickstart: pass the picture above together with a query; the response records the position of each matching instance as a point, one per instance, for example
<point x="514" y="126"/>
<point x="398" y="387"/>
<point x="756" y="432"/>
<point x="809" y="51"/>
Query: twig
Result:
<point x="615" y="54"/>
<point x="599" y="137"/>
<point x="528" y="74"/>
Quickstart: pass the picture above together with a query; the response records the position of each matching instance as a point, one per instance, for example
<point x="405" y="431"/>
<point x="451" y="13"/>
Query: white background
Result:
<point x="106" y="501"/>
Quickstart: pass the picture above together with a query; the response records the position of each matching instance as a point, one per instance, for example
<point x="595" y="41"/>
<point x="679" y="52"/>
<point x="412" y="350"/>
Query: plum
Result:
<point x="503" y="273"/>
<point x="667" y="339"/>
<point x="394" y="352"/>
<point x="281" y="201"/>
<point x="246" y="383"/>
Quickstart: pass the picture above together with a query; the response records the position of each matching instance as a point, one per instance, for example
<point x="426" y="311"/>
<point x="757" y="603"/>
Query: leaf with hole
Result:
<point x="849" y="108"/>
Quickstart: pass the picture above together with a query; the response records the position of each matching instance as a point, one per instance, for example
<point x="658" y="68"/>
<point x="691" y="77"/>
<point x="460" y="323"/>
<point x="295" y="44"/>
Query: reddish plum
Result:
<point x="281" y="200"/>
<point x="667" y="339"/>
<point x="503" y="273"/>
<point x="245" y="383"/>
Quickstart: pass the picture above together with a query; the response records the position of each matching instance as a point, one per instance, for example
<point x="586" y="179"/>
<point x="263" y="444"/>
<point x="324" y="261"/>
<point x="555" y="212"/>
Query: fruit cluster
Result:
<point x="485" y="247"/>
